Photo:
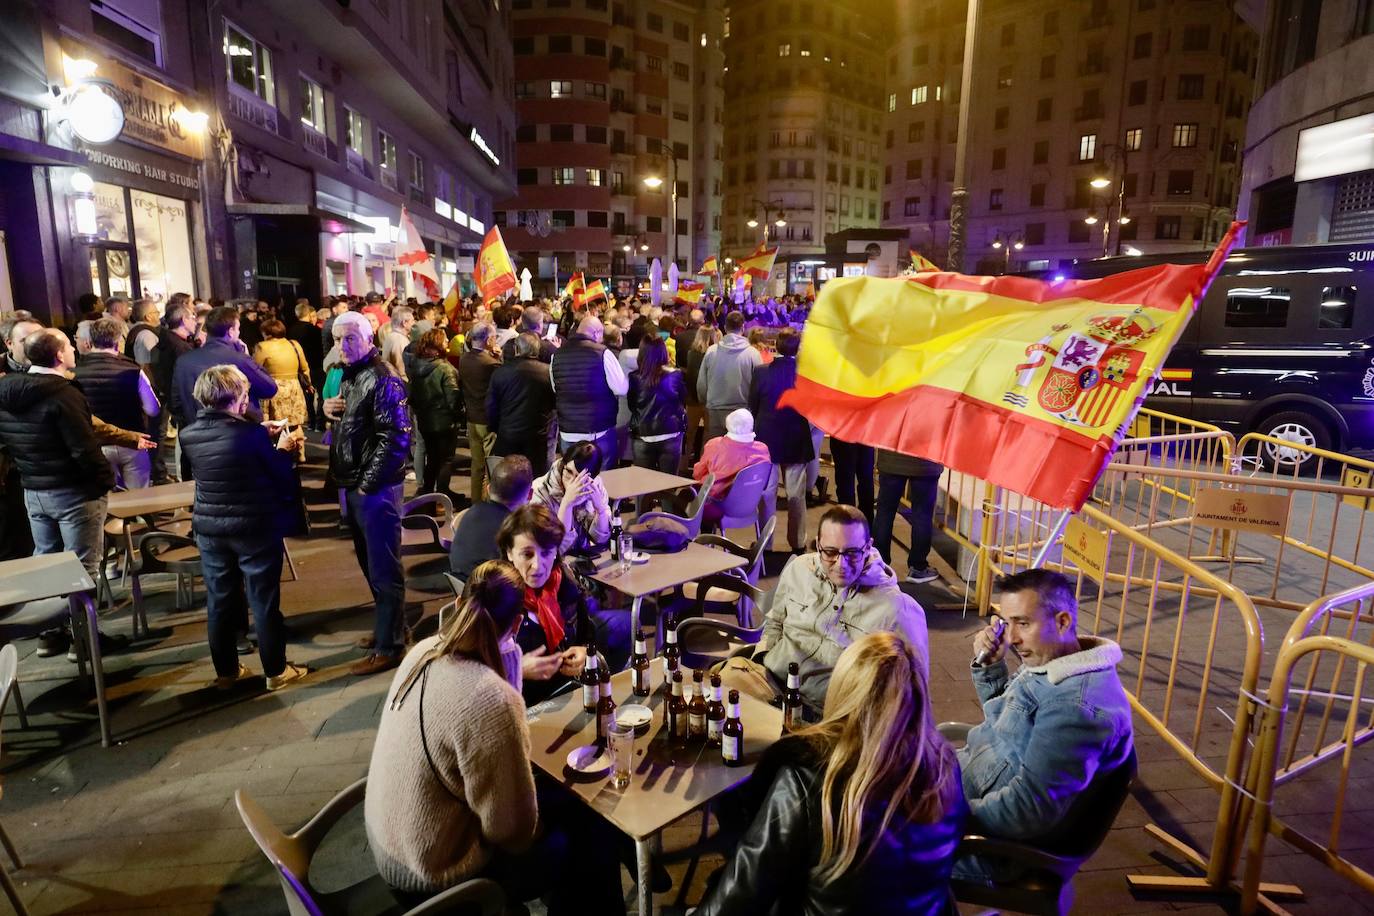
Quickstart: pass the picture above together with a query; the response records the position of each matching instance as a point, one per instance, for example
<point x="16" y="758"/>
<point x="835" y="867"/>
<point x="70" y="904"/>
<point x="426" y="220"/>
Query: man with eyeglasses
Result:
<point x="825" y="601"/>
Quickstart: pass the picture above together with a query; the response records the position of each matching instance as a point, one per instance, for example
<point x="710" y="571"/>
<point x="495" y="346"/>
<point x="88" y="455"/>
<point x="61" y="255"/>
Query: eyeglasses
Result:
<point x="853" y="554"/>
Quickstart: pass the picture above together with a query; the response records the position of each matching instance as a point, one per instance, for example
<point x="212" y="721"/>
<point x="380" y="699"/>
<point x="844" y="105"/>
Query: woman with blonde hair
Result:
<point x="866" y="803"/>
<point x="450" y="791"/>
<point x="283" y="359"/>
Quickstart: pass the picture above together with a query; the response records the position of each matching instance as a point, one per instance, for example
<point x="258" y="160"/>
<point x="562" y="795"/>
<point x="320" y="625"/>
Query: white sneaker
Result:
<point x="290" y="674"/>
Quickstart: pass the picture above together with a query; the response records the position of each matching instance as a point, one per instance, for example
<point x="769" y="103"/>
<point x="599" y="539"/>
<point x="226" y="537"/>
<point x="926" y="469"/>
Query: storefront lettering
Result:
<point x="150" y="108"/>
<point x="142" y="169"/>
<point x="263" y="116"/>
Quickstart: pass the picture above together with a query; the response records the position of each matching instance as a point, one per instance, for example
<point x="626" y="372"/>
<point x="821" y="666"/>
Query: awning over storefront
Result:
<point x="18" y="149"/>
<point x="329" y="220"/>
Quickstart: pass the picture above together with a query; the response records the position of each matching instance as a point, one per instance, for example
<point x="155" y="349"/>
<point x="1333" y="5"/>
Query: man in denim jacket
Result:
<point x="1048" y="730"/>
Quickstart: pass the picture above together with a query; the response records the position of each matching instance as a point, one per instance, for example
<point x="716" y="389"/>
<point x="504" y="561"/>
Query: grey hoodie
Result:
<point x="726" y="370"/>
<point x="811" y="622"/>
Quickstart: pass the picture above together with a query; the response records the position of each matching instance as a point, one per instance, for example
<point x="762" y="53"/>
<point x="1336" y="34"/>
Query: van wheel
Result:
<point x="1301" y="429"/>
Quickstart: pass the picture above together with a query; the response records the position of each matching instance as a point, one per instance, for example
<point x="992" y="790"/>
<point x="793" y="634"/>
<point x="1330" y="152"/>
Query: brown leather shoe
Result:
<point x="365" y="642"/>
<point x="375" y="664"/>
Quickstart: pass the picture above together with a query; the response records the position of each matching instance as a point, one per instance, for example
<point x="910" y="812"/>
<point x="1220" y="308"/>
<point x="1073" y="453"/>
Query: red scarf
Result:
<point x="543" y="603"/>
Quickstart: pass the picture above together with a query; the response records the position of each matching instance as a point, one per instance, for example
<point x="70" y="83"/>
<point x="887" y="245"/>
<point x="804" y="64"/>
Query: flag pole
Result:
<point x="1055" y="531"/>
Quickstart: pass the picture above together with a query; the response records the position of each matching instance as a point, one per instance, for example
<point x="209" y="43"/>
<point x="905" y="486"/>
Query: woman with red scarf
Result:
<point x="560" y="619"/>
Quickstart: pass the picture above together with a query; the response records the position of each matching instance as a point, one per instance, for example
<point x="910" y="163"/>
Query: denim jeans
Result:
<point x="133" y="468"/>
<point x="853" y="475"/>
<point x="612" y="627"/>
<point x="68" y="519"/>
<point x="921" y="493"/>
<point x="376" y="522"/>
<point x="793" y="477"/>
<point x="660" y="456"/>
<point x="239" y="569"/>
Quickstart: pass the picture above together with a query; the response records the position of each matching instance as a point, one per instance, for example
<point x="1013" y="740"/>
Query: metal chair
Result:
<point x="291" y="853"/>
<point x="9" y="683"/>
<point x="429" y="533"/>
<point x="1047" y="864"/>
<point x="750" y="572"/>
<point x="740" y="507"/>
<point x="696" y="509"/>
<point x="700" y="638"/>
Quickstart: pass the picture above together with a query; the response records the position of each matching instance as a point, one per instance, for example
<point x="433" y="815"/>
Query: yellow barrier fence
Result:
<point x="1317" y="713"/>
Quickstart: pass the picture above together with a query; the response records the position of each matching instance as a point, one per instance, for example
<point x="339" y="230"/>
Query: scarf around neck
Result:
<point x="543" y="603"/>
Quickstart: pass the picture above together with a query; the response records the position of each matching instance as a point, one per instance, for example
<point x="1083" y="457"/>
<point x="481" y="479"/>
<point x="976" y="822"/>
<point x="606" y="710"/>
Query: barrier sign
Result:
<point x="1242" y="510"/>
<point x="1086" y="548"/>
<point x="1357" y="477"/>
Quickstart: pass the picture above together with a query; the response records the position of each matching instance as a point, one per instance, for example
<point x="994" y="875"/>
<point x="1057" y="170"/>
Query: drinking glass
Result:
<point x="627" y="546"/>
<point x="620" y="737"/>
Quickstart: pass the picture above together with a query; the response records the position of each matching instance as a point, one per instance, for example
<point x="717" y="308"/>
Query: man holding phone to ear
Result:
<point x="1050" y="728"/>
<point x="824" y="602"/>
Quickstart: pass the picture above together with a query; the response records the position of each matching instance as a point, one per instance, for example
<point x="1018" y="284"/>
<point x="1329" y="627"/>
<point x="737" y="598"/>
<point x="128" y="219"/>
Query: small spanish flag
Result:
<point x="760" y="263"/>
<point x="494" y="272"/>
<point x="920" y="263"/>
<point x="591" y="292"/>
<point x="708" y="266"/>
<point x="575" y="286"/>
<point x="689" y="291"/>
<point x="1023" y="383"/>
<point x="451" y="301"/>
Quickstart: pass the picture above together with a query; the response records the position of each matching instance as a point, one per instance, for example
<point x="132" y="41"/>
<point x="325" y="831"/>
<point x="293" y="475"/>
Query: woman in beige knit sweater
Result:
<point x="450" y="792"/>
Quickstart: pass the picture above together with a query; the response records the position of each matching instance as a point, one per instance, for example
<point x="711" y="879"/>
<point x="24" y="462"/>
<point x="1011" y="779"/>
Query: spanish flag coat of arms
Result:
<point x="1024" y="383"/>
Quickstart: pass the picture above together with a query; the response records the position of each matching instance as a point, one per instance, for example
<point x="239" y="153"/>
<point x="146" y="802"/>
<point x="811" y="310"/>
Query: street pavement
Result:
<point x="150" y="825"/>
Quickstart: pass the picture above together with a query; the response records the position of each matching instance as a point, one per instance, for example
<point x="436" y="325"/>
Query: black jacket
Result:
<point x="659" y="409"/>
<point x="475" y="369"/>
<point x="782" y="429"/>
<point x="519" y="404"/>
<point x="170" y="349"/>
<point x="546" y="350"/>
<point x="372" y="439"/>
<point x="110" y="383"/>
<point x="45" y="426"/>
<point x="308" y="336"/>
<point x="586" y="403"/>
<point x="907" y="873"/>
<point x="245" y="486"/>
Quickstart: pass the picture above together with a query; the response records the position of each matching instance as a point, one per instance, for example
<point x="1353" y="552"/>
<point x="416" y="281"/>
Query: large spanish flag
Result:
<point x="1023" y="383"/>
<point x="760" y="263"/>
<point x="689" y="291"/>
<point x="494" y="272"/>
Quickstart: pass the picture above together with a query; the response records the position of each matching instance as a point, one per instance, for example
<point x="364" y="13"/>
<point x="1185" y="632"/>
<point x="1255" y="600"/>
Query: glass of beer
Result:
<point x="620" y="738"/>
<point x="627" y="547"/>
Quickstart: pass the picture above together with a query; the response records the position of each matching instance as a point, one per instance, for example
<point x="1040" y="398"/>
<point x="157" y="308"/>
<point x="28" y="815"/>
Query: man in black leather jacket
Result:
<point x="367" y="457"/>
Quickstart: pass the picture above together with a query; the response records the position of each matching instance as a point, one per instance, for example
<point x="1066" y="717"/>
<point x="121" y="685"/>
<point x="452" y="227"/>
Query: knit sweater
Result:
<point x="427" y="837"/>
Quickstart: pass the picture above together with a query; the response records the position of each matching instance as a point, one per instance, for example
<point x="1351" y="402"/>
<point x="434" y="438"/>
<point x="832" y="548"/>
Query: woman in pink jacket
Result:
<point x="727" y="455"/>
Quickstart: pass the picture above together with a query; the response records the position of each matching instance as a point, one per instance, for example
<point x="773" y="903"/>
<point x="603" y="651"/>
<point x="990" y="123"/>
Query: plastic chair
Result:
<point x="750" y="572"/>
<point x="740" y="507"/>
<point x="291" y="853"/>
<point x="700" y="638"/>
<point x="429" y="532"/>
<point x="9" y="683"/>
<point x="164" y="552"/>
<point x="696" y="509"/>
<point x="1049" y="863"/>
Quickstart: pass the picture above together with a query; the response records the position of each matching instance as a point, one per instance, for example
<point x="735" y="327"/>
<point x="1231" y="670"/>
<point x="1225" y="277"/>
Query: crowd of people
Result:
<point x="858" y="810"/>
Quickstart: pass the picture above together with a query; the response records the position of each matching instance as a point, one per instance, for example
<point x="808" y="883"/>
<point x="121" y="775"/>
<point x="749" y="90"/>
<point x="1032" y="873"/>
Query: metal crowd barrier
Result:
<point x="1316" y="713"/>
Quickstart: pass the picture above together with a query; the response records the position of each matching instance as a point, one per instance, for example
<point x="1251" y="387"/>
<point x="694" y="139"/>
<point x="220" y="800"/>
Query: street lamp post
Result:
<point x="1102" y="183"/>
<point x="770" y="207"/>
<point x="958" y="198"/>
<point x="1007" y="246"/>
<point x="655" y="181"/>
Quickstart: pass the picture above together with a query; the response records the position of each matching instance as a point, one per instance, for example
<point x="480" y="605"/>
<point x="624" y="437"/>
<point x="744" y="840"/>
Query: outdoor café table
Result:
<point x="127" y="504"/>
<point x="667" y="781"/>
<point x="60" y="575"/>
<point x="662" y="571"/>
<point x="629" y="482"/>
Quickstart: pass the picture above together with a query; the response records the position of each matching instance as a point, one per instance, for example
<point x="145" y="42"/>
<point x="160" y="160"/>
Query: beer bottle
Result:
<point x="603" y="672"/>
<point x="615" y="539"/>
<point x="732" y="734"/>
<point x="605" y="712"/>
<point x="696" y="710"/>
<point x="590" y="680"/>
<point x="639" y="669"/>
<point x="671" y="655"/>
<point x="792" y="700"/>
<point x="715" y="713"/>
<point x="677" y="712"/>
<point x="670" y="668"/>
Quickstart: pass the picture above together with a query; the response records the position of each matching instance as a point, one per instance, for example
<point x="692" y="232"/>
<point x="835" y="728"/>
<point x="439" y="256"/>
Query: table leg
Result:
<point x="634" y="619"/>
<point x="81" y="603"/>
<point x="644" y="866"/>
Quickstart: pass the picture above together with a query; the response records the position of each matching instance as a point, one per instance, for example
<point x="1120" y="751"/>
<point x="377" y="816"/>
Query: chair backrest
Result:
<point x="1090" y="817"/>
<point x="753" y="564"/>
<point x="698" y="504"/>
<point x="289" y="855"/>
<point x="455" y="583"/>
<point x="742" y="499"/>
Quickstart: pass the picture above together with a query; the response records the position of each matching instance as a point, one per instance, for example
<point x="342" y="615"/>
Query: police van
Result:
<point x="1282" y="344"/>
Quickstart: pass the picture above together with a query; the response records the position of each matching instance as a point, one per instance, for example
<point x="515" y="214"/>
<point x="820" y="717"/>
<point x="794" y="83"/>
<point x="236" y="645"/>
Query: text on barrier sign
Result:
<point x="1243" y="510"/>
<point x="1086" y="548"/>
